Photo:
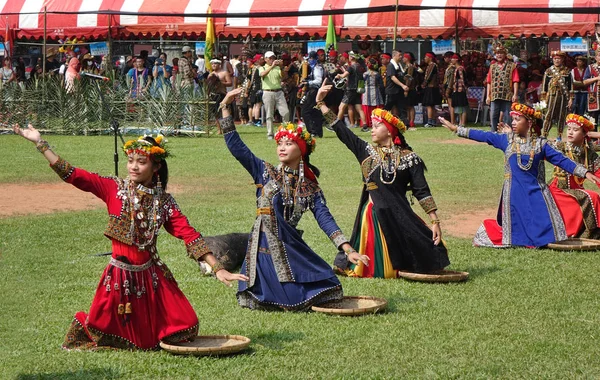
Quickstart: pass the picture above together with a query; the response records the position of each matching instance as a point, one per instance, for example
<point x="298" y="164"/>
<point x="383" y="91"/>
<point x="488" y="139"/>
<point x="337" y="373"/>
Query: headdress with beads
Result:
<point x="144" y="146"/>
<point x="394" y="125"/>
<point x="581" y="121"/>
<point x="299" y="135"/>
<point x="525" y="110"/>
<point x="558" y="53"/>
<point x="500" y="49"/>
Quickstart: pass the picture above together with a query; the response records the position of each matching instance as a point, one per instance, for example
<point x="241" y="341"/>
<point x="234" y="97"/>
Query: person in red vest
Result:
<point x="580" y="103"/>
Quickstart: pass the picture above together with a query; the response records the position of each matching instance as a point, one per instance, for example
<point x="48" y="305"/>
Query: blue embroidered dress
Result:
<point x="285" y="273"/>
<point x="527" y="215"/>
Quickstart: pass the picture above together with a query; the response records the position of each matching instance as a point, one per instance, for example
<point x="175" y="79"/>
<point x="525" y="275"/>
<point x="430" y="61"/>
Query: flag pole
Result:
<point x="45" y="37"/>
<point x="395" y="26"/>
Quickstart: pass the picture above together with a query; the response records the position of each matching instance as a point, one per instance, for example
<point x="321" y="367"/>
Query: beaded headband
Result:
<point x="142" y="146"/>
<point x="299" y="135"/>
<point x="381" y="115"/>
<point x="581" y="121"/>
<point x="524" y="110"/>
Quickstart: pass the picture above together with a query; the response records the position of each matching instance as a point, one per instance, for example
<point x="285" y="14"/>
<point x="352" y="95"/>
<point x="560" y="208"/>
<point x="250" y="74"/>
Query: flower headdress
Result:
<point x="143" y="146"/>
<point x="525" y="110"/>
<point x="581" y="121"/>
<point x="299" y="135"/>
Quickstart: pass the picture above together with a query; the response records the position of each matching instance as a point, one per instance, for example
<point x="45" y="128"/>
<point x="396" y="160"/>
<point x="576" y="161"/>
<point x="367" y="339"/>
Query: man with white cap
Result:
<point x="273" y="95"/>
<point x="217" y="82"/>
<point x="185" y="67"/>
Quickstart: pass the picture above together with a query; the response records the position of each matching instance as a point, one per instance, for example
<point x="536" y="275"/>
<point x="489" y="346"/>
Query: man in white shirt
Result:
<point x="201" y="64"/>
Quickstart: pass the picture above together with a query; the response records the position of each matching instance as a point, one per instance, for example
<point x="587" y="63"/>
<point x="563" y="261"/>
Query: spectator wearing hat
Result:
<point x="311" y="116"/>
<point x="241" y="78"/>
<point x="185" y="69"/>
<point x="591" y="79"/>
<point x="431" y="89"/>
<point x="217" y="83"/>
<point x="580" y="101"/>
<point x="502" y="87"/>
<point x="273" y="96"/>
<point x="448" y="79"/>
<point x="52" y="65"/>
<point x="88" y="65"/>
<point x="460" y="103"/>
<point x="255" y="94"/>
<point x="557" y="90"/>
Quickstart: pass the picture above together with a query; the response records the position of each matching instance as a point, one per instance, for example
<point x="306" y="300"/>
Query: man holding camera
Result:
<point x="273" y="95"/>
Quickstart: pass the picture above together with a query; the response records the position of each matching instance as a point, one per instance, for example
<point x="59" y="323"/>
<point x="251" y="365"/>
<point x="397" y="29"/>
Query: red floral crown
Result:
<point x="525" y="110"/>
<point x="299" y="135"/>
<point x="581" y="121"/>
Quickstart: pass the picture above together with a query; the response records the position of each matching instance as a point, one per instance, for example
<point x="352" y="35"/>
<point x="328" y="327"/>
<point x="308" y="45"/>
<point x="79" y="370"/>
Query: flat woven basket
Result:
<point x="576" y="244"/>
<point x="353" y="305"/>
<point x="442" y="276"/>
<point x="209" y="345"/>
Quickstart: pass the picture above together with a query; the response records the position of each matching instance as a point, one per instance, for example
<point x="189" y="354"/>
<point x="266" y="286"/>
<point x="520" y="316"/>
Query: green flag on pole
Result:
<point x="209" y="49"/>
<point x="330" y="40"/>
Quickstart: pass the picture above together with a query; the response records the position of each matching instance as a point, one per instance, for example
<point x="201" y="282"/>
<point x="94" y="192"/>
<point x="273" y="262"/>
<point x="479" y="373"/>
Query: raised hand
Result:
<point x="28" y="133"/>
<point x="323" y="91"/>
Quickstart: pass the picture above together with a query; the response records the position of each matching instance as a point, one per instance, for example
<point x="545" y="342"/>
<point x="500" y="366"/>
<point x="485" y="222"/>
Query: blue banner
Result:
<point x="315" y="45"/>
<point x="574" y="44"/>
<point x="442" y="46"/>
<point x="200" y="47"/>
<point x="98" y="48"/>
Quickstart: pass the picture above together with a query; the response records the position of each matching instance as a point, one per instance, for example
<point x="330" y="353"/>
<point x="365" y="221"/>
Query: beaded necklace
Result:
<point x="574" y="153"/>
<point x="389" y="159"/>
<point x="516" y="146"/>
<point x="144" y="213"/>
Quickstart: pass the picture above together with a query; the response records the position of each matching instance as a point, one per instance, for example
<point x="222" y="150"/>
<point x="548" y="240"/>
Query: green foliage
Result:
<point x="524" y="313"/>
<point x="90" y="105"/>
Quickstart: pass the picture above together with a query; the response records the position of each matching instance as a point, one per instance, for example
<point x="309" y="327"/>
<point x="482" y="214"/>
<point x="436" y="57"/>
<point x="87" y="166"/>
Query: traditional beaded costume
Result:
<point x="386" y="228"/>
<point x="137" y="302"/>
<point x="527" y="214"/>
<point x="557" y="86"/>
<point x="578" y="207"/>
<point x="285" y="273"/>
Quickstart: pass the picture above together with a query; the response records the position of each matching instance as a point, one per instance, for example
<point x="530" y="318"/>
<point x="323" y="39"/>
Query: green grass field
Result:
<point x="524" y="313"/>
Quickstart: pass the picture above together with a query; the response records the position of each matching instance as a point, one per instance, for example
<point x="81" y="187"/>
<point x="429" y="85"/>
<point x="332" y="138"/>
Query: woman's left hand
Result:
<point x="355" y="257"/>
<point x="437" y="233"/>
<point x="231" y="95"/>
<point x="323" y="91"/>
<point x="225" y="277"/>
<point x="593" y="178"/>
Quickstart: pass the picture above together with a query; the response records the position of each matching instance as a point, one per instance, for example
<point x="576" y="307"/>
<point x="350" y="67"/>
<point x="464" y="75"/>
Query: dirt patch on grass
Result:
<point x="47" y="198"/>
<point x="465" y="224"/>
<point x="460" y="141"/>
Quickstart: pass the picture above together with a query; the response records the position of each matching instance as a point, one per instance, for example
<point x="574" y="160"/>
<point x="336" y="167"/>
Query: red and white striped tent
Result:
<point x="89" y="18"/>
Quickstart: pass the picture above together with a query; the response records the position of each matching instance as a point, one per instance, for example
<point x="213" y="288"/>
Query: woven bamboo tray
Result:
<point x="209" y="345"/>
<point x="576" y="244"/>
<point x="353" y="305"/>
<point x="442" y="276"/>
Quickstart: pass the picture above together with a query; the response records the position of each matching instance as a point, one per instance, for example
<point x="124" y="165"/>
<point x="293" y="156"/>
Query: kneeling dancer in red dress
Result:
<point x="137" y="302"/>
<point x="578" y="207"/>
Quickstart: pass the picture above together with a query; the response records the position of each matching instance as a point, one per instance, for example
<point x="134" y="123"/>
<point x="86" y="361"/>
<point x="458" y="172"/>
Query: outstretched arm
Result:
<point x="80" y="178"/>
<point x="356" y="145"/>
<point x="179" y="226"/>
<point x="238" y="149"/>
<point x="499" y="141"/>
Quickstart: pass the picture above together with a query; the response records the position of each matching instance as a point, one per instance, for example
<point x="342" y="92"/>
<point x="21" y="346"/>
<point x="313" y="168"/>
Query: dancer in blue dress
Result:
<point x="283" y="271"/>
<point x="527" y="215"/>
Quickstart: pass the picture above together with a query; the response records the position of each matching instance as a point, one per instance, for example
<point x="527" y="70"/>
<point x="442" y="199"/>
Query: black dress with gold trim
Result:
<point x="386" y="226"/>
